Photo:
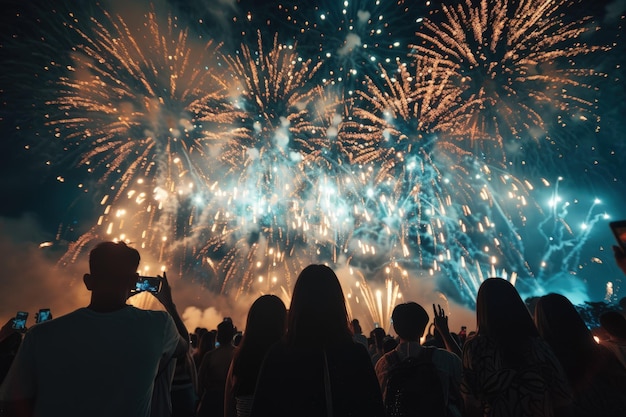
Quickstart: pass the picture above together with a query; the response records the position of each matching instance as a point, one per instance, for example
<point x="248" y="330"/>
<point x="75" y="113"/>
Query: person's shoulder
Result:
<point x="444" y="355"/>
<point x="148" y="315"/>
<point x="437" y="351"/>
<point x="479" y="343"/>
<point x="151" y="321"/>
<point x="58" y="323"/>
<point x="387" y="359"/>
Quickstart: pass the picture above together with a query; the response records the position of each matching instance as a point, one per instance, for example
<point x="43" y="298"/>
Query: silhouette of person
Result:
<point x="214" y="370"/>
<point x="266" y="325"/>
<point x="597" y="379"/>
<point x="508" y="370"/>
<point x="357" y="332"/>
<point x="100" y="360"/>
<point x="409" y="322"/>
<point x="318" y="370"/>
<point x="614" y="324"/>
<point x="10" y="341"/>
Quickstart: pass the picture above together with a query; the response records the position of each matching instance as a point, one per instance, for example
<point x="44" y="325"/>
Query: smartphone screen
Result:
<point x="43" y="315"/>
<point x="151" y="284"/>
<point x="19" y="322"/>
<point x="619" y="230"/>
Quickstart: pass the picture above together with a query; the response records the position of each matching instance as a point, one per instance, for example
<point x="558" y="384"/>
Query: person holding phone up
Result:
<point x="100" y="360"/>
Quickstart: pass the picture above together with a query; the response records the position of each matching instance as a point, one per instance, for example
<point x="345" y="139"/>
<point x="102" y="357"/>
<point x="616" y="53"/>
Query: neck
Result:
<point x="106" y="305"/>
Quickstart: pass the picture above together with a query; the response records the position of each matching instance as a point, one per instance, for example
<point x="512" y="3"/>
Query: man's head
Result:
<point x="409" y="321"/>
<point x="225" y="332"/>
<point x="112" y="266"/>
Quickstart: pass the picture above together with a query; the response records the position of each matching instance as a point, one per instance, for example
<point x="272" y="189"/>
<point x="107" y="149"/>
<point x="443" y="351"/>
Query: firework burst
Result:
<point x="140" y="107"/>
<point x="422" y="181"/>
<point x="262" y="203"/>
<point x="517" y="61"/>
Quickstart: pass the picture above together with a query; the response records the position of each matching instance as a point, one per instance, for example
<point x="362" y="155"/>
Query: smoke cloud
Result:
<point x="32" y="280"/>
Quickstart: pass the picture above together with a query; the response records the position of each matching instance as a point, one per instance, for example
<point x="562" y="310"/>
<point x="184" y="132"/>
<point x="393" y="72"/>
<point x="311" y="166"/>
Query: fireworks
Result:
<point x="263" y="167"/>
<point x="137" y="105"/>
<point x="242" y="165"/>
<point x="517" y="62"/>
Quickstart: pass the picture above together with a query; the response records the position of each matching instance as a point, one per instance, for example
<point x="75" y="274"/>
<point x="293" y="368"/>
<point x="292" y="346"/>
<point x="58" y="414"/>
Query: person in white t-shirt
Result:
<point x="100" y="360"/>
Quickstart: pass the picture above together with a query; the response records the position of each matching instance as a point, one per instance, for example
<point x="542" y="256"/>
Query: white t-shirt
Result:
<point x="92" y="364"/>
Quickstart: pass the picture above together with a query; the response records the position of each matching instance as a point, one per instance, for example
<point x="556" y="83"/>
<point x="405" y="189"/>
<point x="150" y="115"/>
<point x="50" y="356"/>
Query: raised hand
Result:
<point x="441" y="324"/>
<point x="440" y="320"/>
<point x="165" y="294"/>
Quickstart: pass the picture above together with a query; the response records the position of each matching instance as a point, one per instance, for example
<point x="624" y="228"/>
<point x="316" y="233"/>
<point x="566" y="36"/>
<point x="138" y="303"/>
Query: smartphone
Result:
<point x="151" y="284"/>
<point x="19" y="322"/>
<point x="43" y="315"/>
<point x="619" y="230"/>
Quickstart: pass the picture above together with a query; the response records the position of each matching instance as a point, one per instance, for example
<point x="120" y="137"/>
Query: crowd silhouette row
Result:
<point x="311" y="359"/>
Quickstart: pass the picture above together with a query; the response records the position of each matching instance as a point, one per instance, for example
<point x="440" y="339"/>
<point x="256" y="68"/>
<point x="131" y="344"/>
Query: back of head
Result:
<point x="562" y="327"/>
<point x="389" y="344"/>
<point x="614" y="323"/>
<point x="317" y="314"/>
<point x="113" y="259"/>
<point x="356" y="326"/>
<point x="378" y="336"/>
<point x="225" y="332"/>
<point x="206" y="342"/>
<point x="265" y="326"/>
<point x="409" y="321"/>
<point x="500" y="312"/>
<point x="266" y="321"/>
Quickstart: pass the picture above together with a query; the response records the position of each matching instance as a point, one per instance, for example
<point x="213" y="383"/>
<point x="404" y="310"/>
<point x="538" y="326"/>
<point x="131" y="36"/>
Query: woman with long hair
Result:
<point x="318" y="370"/>
<point x="597" y="379"/>
<point x="265" y="326"/>
<point x="508" y="370"/>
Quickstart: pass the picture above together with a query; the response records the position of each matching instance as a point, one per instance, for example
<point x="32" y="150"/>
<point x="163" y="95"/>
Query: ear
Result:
<point x="89" y="281"/>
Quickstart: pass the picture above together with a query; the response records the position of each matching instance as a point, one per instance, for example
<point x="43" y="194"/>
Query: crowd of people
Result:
<point x="311" y="359"/>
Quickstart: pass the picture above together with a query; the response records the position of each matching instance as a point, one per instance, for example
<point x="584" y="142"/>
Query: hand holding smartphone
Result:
<point x="44" y="314"/>
<point x="151" y="284"/>
<point x="19" y="322"/>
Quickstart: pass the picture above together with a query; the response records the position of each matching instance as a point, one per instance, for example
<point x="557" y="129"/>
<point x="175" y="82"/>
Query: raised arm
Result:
<point x="165" y="297"/>
<point x="441" y="324"/>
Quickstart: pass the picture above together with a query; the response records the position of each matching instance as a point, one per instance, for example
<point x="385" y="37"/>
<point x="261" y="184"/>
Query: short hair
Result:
<point x="225" y="332"/>
<point x="113" y="258"/>
<point x="409" y="320"/>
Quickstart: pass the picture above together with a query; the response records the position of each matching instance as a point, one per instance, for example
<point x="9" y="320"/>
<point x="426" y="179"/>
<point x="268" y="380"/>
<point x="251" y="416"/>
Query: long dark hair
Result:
<point x="502" y="316"/>
<point x="264" y="327"/>
<point x="317" y="314"/>
<point x="565" y="331"/>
